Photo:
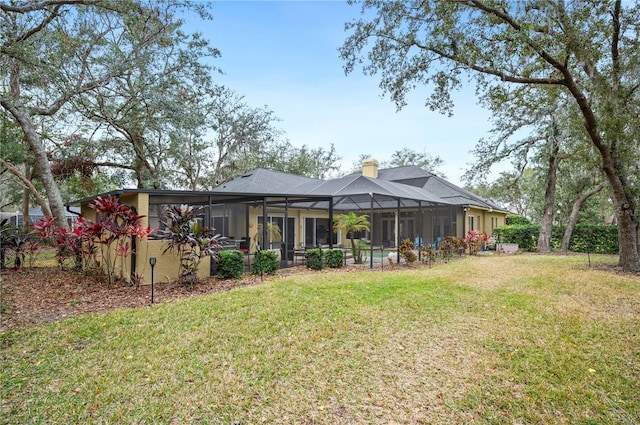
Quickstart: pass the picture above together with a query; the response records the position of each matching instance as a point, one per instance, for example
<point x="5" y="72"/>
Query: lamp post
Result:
<point x="152" y="262"/>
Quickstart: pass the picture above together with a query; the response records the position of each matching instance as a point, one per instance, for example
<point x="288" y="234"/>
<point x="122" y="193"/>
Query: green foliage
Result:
<point x="517" y="54"/>
<point x="12" y="244"/>
<point x="230" y="264"/>
<point x="601" y="239"/>
<point x="314" y="258"/>
<point x="274" y="234"/>
<point x="352" y="223"/>
<point x="265" y="261"/>
<point x="524" y="235"/>
<point x="516" y="220"/>
<point x="192" y="241"/>
<point x="406" y="156"/>
<point x="334" y="258"/>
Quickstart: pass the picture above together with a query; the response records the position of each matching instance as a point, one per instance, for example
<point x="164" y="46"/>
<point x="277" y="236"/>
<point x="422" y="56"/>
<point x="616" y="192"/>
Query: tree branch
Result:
<point x="13" y="170"/>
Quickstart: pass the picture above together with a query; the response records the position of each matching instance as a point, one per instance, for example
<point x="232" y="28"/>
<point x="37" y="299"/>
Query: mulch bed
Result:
<point x="48" y="294"/>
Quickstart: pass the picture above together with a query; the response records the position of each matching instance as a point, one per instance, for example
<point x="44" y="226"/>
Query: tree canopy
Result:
<point x="586" y="50"/>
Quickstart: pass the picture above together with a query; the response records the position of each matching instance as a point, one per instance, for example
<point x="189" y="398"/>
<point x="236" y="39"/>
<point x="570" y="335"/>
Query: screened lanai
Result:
<point x="402" y="203"/>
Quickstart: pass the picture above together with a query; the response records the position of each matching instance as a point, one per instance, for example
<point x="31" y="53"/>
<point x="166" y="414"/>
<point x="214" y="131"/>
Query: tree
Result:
<point x="352" y="223"/>
<point x="407" y="156"/>
<point x="589" y="51"/>
<point x="52" y="51"/>
<point x="148" y="112"/>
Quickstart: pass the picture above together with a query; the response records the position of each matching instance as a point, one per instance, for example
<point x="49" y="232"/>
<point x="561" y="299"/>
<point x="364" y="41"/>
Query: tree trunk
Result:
<point x="573" y="217"/>
<point x="43" y="166"/>
<point x="620" y="191"/>
<point x="546" y="226"/>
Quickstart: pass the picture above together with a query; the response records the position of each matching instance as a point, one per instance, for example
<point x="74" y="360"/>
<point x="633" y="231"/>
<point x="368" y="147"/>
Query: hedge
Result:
<point x="230" y="264"/>
<point x="525" y="235"/>
<point x="598" y="239"/>
<point x="601" y="239"/>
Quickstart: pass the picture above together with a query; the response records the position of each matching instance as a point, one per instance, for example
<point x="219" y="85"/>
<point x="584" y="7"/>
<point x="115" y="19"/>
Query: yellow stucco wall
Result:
<point x="484" y="220"/>
<point x="167" y="266"/>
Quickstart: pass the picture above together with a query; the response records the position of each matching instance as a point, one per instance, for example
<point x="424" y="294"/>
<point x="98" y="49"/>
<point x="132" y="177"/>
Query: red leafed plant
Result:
<point x="115" y="223"/>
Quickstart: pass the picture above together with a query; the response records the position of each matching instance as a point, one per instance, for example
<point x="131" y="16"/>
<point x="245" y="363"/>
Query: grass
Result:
<point x="483" y="340"/>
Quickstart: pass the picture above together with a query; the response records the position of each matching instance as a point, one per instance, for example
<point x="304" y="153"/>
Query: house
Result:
<point x="403" y="202"/>
<point x="35" y="214"/>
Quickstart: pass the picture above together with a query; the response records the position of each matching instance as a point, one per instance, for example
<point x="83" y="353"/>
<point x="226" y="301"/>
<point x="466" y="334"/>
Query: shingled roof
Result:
<point x="435" y="185"/>
<point x="268" y="182"/>
<point x="409" y="184"/>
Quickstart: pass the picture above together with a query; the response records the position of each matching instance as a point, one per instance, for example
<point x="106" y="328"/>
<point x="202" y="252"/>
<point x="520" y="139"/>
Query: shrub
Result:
<point x="516" y="220"/>
<point x="230" y="264"/>
<point x="334" y="258"/>
<point x="406" y="251"/>
<point x="524" y="235"/>
<point x="265" y="261"/>
<point x="190" y="240"/>
<point x="601" y="239"/>
<point x="428" y="254"/>
<point x="314" y="258"/>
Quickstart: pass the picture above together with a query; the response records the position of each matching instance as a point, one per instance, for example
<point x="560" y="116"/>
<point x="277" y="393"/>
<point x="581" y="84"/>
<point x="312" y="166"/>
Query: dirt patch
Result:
<point x="48" y="294"/>
<point x="45" y="295"/>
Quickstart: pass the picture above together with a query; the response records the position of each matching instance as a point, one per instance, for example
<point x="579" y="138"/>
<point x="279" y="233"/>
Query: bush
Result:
<point x="406" y="251"/>
<point x="265" y="262"/>
<point x="516" y="220"/>
<point x="314" y="258"/>
<point x="230" y="264"/>
<point x="334" y="258"/>
<point x="526" y="236"/>
<point x="600" y="239"/>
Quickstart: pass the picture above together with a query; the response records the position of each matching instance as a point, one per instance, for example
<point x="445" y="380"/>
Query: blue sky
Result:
<point x="284" y="54"/>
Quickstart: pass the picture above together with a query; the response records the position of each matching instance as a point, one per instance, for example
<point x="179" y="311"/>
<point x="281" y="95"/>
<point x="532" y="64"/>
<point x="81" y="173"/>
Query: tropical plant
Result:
<point x="192" y="241"/>
<point x="406" y="251"/>
<point x="351" y="223"/>
<point x="68" y="243"/>
<point x="274" y="234"/>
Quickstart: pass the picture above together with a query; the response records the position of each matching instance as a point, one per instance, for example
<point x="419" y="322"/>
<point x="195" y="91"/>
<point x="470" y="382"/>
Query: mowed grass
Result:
<point x="519" y="339"/>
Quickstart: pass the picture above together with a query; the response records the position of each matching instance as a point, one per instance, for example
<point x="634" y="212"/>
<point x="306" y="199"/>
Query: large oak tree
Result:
<point x="51" y="51"/>
<point x="588" y="50"/>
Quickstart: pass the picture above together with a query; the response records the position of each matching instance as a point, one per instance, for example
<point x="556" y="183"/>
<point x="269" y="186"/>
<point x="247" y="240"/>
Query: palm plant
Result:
<point x="351" y="223"/>
<point x="274" y="234"/>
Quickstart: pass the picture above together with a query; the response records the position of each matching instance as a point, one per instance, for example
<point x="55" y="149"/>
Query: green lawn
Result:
<point x="498" y="339"/>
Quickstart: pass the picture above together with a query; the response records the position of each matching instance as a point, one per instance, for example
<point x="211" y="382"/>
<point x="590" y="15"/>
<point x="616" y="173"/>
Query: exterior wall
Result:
<point x="435" y="224"/>
<point x="167" y="265"/>
<point x="484" y="221"/>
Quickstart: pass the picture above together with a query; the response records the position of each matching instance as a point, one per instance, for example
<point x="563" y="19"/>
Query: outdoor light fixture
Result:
<point x="152" y="262"/>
